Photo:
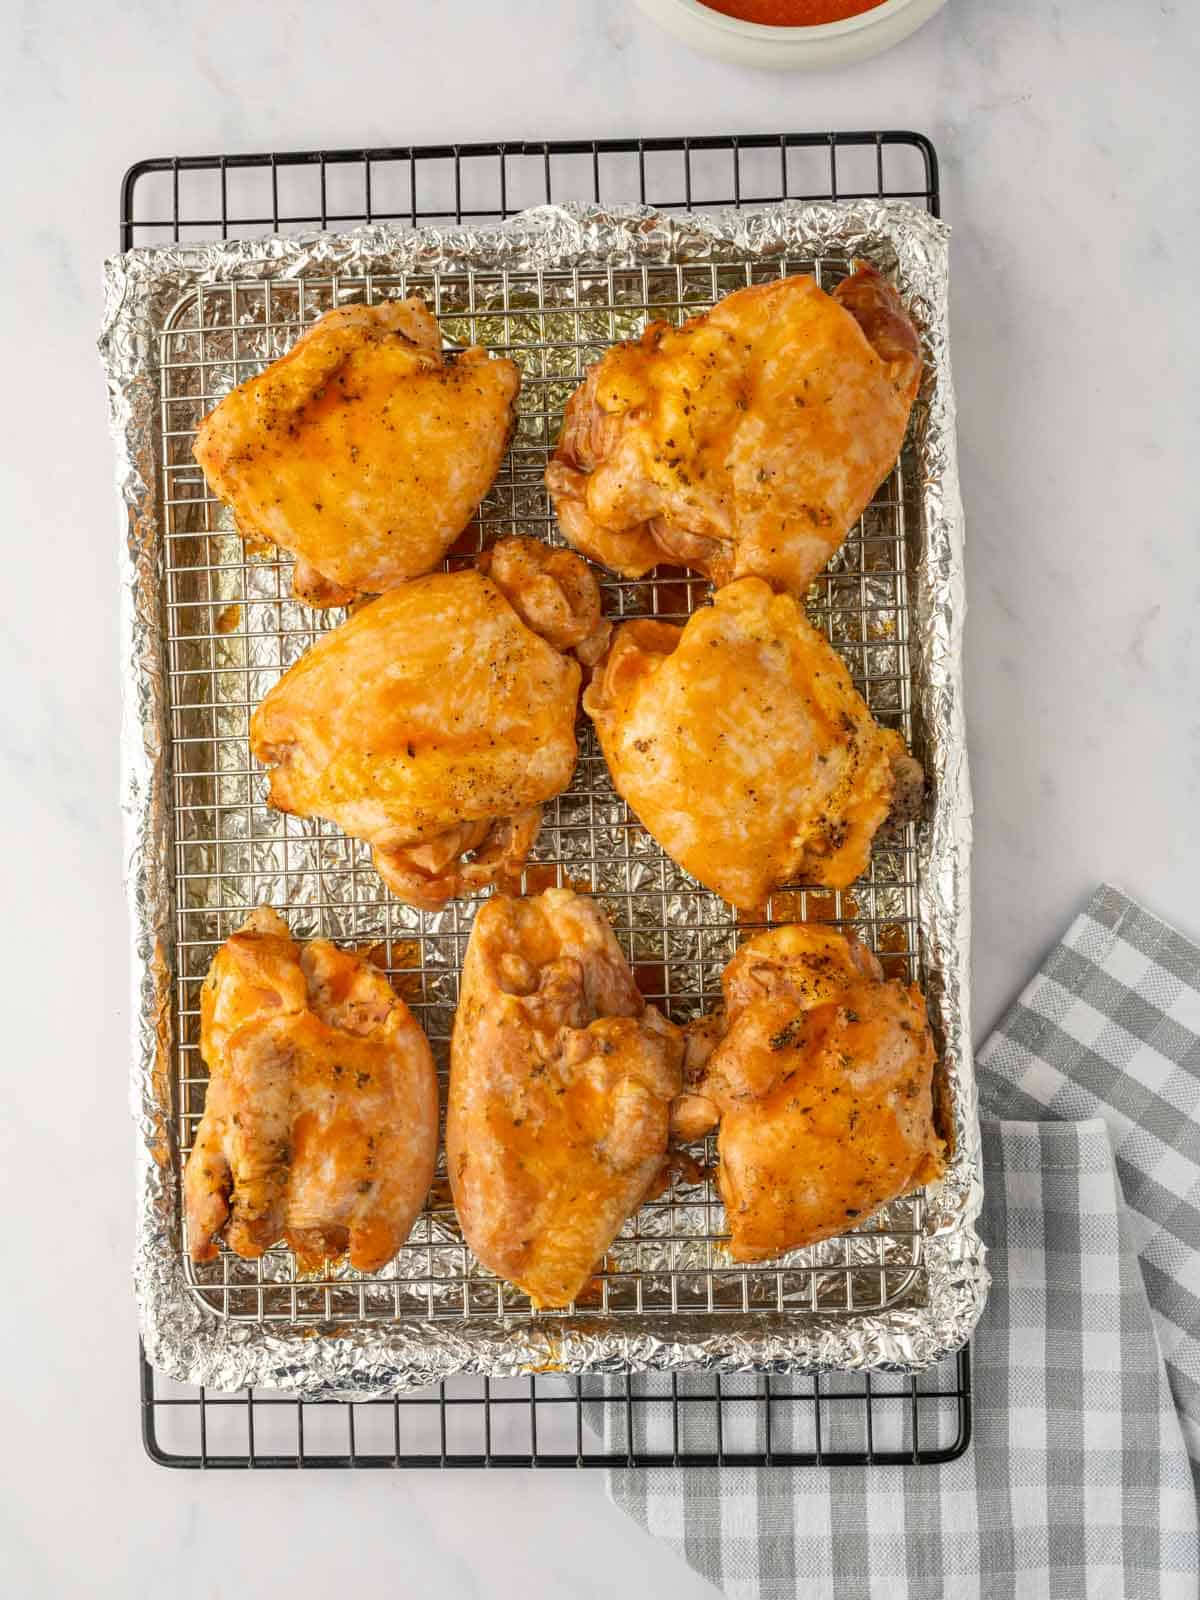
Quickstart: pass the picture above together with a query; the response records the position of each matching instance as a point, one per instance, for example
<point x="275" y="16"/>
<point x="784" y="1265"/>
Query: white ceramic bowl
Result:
<point x="827" y="44"/>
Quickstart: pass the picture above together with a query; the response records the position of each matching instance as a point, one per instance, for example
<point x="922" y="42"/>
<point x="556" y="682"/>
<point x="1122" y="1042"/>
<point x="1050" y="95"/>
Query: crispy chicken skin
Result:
<point x="745" y="443"/>
<point x="435" y="722"/>
<point x="364" y="450"/>
<point x="820" y="1075"/>
<point x="561" y="1080"/>
<point x="744" y="748"/>
<point x="553" y="592"/>
<point x="321" y="1118"/>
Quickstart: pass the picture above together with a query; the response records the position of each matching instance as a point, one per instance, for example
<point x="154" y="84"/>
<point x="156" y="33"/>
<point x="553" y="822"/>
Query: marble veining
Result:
<point x="1067" y="134"/>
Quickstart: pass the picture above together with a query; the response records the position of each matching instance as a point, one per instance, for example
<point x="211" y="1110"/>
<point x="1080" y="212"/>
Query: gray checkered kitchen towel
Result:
<point x="1087" y="1360"/>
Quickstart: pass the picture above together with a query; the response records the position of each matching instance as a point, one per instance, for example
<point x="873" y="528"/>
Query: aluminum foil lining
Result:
<point x="193" y="1331"/>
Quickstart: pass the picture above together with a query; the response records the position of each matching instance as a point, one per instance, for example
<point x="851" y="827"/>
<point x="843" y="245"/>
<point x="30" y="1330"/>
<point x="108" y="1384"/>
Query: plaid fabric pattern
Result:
<point x="1079" y="1482"/>
<point x="1110" y="1028"/>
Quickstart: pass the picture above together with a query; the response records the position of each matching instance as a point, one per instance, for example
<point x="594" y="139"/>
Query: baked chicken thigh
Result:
<point x="744" y="748"/>
<point x="435" y="721"/>
<point x="561" y="1080"/>
<point x="321" y="1118"/>
<point x="820" y="1075"/>
<point x="365" y="450"/>
<point x="745" y="443"/>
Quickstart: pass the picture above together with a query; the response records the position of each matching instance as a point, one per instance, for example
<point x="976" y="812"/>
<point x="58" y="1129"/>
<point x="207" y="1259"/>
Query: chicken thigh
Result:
<point x="744" y="748"/>
<point x="435" y="722"/>
<point x="561" y="1080"/>
<point x="745" y="443"/>
<point x="365" y="451"/>
<point x="820" y="1074"/>
<point x="321" y="1118"/>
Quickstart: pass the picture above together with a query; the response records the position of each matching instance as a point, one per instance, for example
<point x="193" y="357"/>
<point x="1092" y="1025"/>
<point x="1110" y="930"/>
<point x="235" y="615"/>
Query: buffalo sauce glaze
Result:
<point x="791" y="13"/>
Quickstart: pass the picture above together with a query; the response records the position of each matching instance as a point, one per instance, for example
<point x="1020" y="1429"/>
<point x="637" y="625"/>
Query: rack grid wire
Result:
<point x="232" y="627"/>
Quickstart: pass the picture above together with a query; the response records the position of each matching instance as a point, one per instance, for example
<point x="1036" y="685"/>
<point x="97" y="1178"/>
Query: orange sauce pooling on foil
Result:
<point x="791" y="13"/>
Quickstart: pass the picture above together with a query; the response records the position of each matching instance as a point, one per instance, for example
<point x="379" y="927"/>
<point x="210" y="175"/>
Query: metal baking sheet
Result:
<point x="209" y="626"/>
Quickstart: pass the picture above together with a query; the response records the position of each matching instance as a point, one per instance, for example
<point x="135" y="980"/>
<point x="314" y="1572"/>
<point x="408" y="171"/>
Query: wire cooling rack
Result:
<point x="232" y="626"/>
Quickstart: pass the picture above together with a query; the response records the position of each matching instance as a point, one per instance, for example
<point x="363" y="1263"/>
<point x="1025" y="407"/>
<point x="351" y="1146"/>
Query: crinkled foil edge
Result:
<point x="186" y="1340"/>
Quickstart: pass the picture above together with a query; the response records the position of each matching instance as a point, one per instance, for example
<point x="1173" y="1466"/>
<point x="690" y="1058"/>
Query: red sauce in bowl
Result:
<point x="791" y="13"/>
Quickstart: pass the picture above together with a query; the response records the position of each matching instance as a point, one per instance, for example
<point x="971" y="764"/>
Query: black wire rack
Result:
<point x="632" y="1420"/>
<point x="612" y="1421"/>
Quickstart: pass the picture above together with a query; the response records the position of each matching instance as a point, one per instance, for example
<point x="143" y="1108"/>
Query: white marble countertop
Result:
<point x="1068" y="158"/>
